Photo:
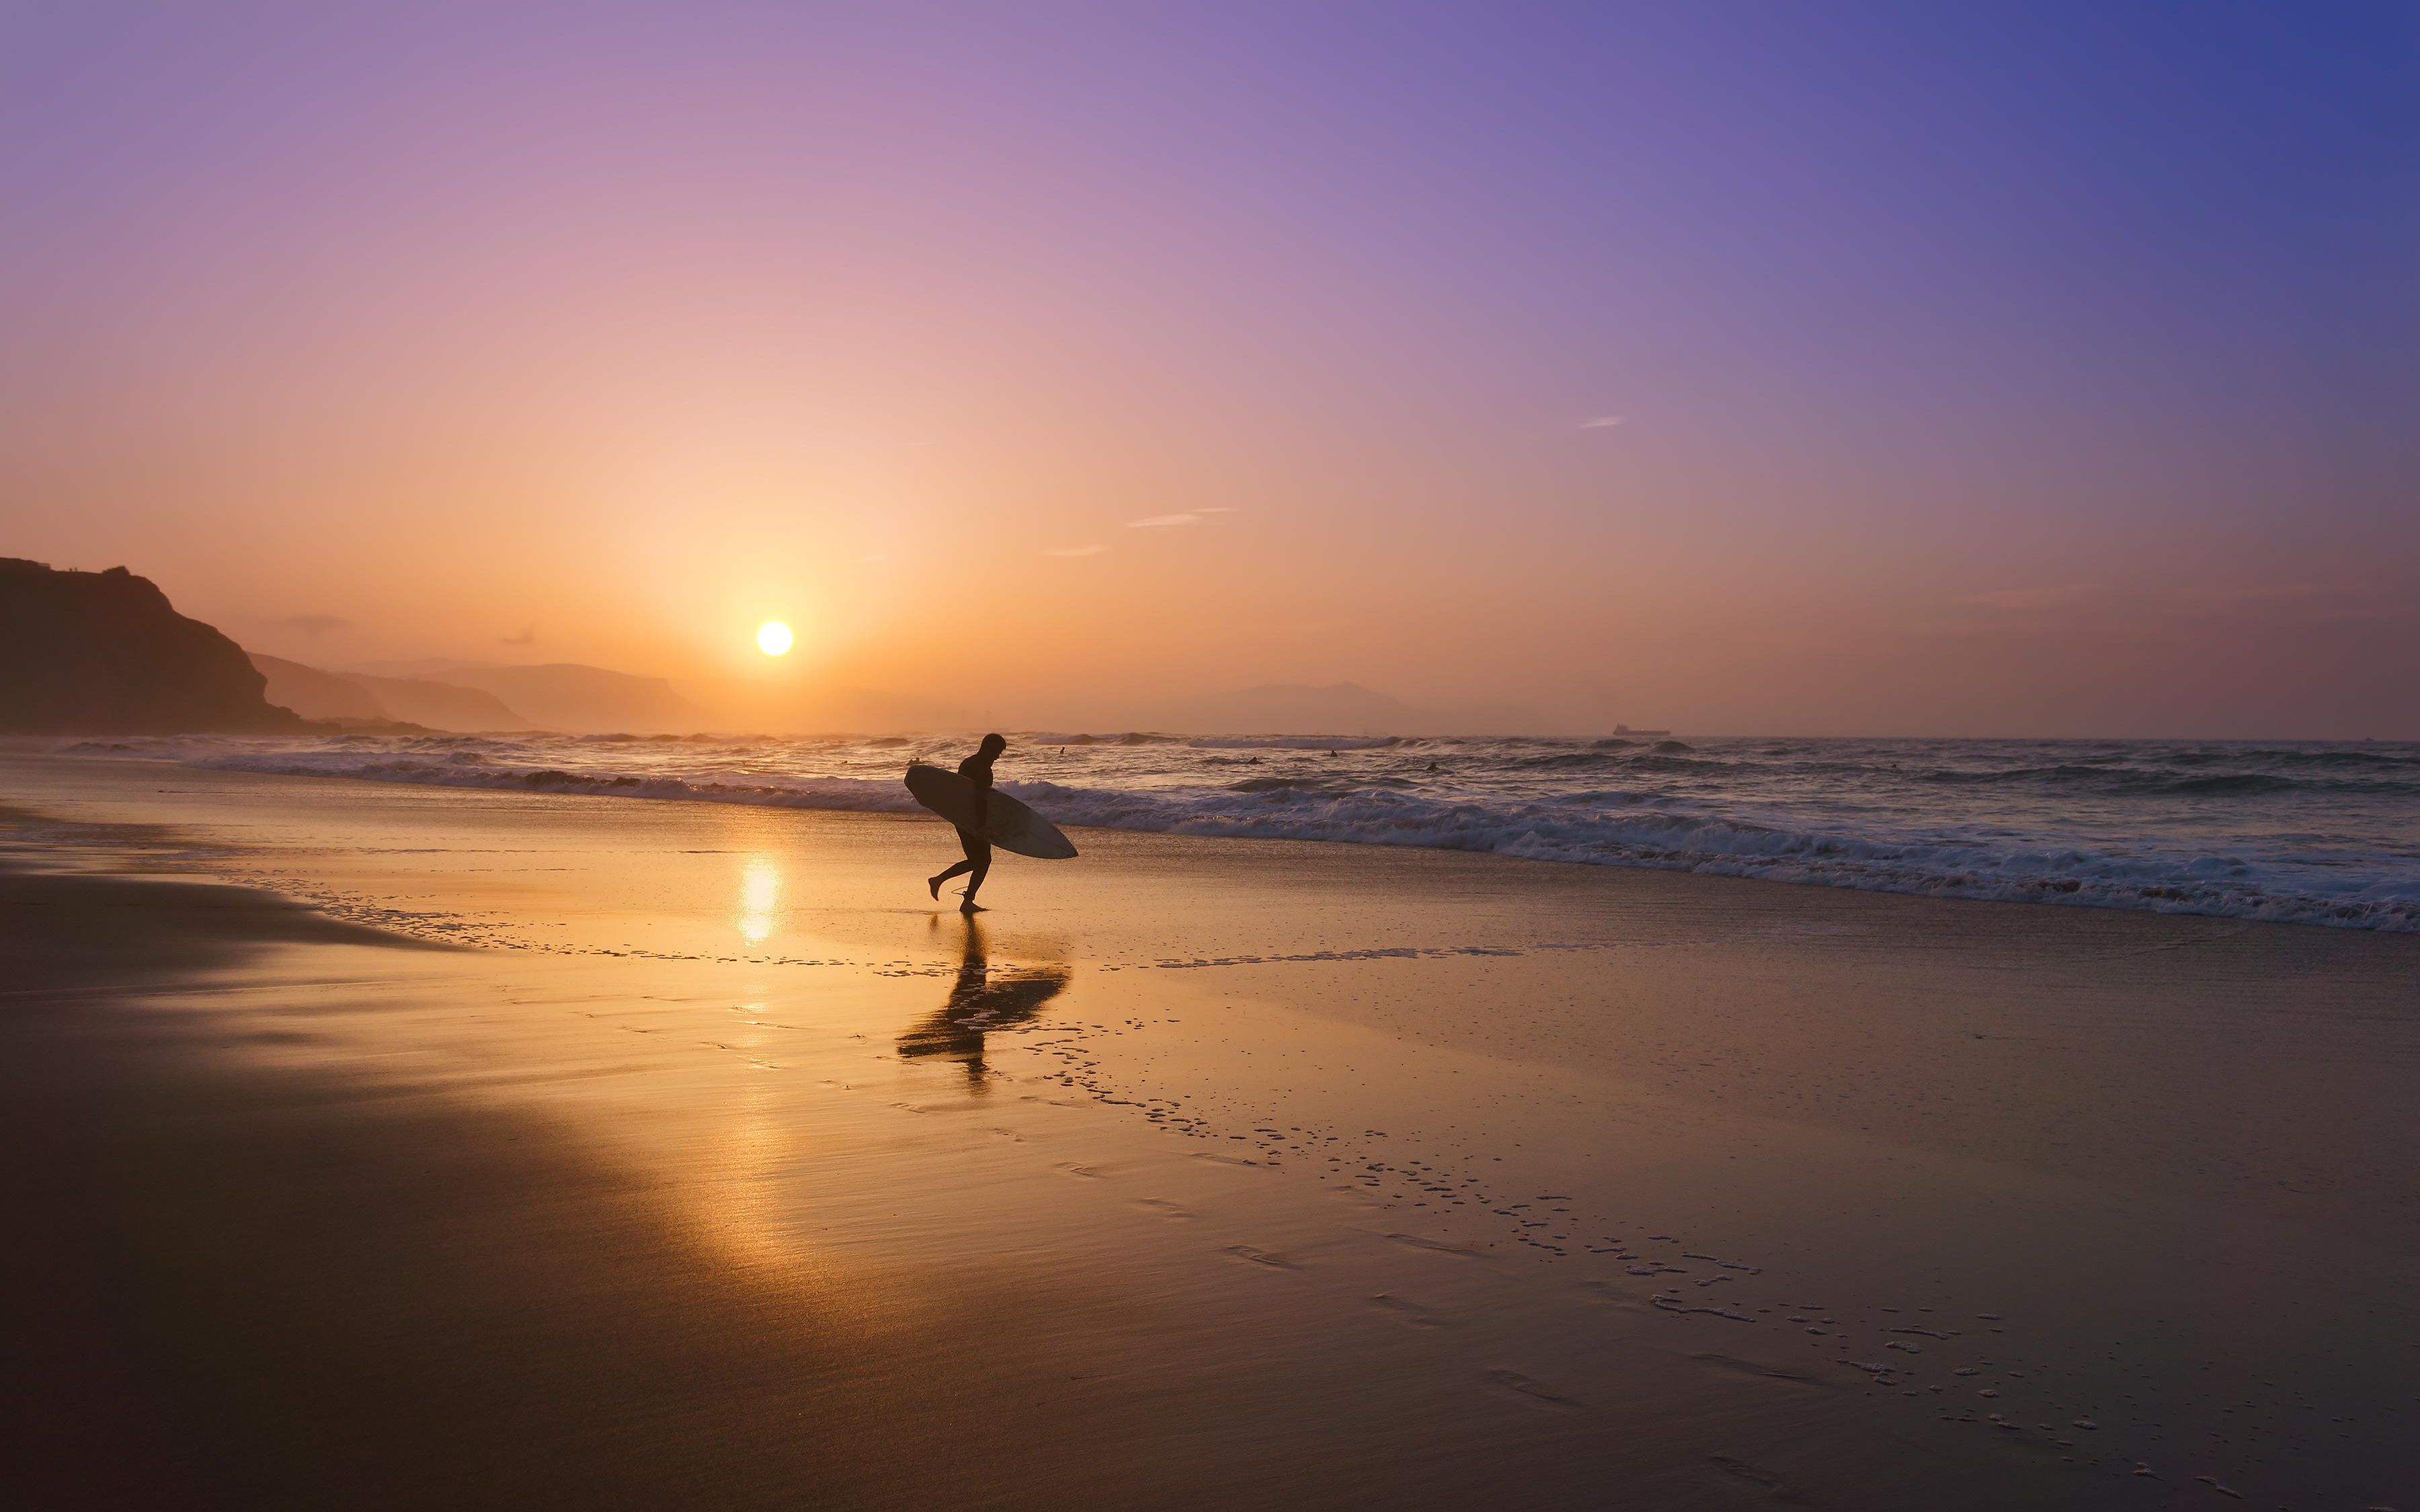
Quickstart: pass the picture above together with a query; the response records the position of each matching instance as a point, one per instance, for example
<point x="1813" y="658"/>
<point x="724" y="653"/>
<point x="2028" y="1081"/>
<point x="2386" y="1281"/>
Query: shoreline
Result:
<point x="1815" y="859"/>
<point x="1331" y="1171"/>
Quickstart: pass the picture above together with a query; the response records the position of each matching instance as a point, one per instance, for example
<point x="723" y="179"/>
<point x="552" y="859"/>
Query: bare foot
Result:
<point x="935" y="885"/>
<point x="970" y="906"/>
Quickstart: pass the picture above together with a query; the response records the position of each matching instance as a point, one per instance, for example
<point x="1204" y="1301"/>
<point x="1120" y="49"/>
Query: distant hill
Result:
<point x="315" y="694"/>
<point x="442" y="705"/>
<point x="103" y="653"/>
<point x="572" y="697"/>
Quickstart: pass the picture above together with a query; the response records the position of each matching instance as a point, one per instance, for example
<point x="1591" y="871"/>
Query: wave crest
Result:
<point x="2269" y="834"/>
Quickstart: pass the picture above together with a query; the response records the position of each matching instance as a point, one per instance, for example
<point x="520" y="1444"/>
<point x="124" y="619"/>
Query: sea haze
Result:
<point x="2315" y="833"/>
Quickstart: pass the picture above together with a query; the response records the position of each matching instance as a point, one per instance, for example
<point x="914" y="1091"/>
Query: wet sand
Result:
<point x="385" y="1146"/>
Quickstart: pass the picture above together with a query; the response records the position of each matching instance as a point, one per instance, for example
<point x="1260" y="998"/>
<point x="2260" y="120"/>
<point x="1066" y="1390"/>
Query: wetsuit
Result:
<point x="977" y="770"/>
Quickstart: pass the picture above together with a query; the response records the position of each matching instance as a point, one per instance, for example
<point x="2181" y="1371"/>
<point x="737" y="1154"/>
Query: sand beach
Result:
<point x="1246" y="756"/>
<point x="391" y="1145"/>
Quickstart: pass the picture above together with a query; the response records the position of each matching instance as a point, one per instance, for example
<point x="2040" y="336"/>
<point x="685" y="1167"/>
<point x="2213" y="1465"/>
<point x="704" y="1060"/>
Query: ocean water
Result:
<point x="2313" y="833"/>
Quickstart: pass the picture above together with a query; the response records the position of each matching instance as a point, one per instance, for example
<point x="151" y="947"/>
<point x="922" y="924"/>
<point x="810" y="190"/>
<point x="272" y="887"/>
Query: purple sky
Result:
<point x="2033" y="369"/>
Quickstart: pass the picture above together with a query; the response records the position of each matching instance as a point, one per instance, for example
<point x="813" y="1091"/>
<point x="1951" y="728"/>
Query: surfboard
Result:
<point x="1013" y="827"/>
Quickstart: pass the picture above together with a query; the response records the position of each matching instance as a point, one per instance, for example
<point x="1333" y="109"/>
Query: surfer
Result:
<point x="977" y="770"/>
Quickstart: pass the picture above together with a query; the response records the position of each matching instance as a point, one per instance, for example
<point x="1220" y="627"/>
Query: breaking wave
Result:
<point x="2314" y="835"/>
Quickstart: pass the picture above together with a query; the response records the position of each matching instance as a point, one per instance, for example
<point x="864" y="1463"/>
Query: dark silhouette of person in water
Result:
<point x="976" y="769"/>
<point x="977" y="1005"/>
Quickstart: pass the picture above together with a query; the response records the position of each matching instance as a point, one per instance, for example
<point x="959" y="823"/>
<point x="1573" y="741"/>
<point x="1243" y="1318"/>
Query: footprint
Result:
<point x="1439" y="1245"/>
<point x="1163" y="1207"/>
<point x="1749" y="1367"/>
<point x="1262" y="1256"/>
<point x="1515" y="1382"/>
<point x="1674" y="1306"/>
<point x="1754" y="1475"/>
<point x="1072" y="1168"/>
<point x="1410" y="1312"/>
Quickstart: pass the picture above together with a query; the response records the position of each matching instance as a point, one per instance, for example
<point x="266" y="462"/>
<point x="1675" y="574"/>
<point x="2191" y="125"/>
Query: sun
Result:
<point x="773" y="638"/>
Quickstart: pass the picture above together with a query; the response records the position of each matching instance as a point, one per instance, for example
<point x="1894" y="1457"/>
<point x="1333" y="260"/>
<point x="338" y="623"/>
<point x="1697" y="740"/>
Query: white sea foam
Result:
<point x="2315" y="834"/>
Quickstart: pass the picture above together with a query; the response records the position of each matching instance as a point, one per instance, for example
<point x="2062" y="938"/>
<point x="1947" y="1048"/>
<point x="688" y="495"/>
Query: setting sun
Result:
<point x="1891" y="505"/>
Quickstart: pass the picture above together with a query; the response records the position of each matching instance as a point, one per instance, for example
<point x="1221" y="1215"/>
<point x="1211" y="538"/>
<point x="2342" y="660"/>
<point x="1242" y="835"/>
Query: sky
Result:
<point x="2036" y="369"/>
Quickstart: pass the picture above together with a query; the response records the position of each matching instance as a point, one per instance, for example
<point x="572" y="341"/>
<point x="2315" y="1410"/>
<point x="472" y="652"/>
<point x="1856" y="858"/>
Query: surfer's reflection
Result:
<point x="979" y="1004"/>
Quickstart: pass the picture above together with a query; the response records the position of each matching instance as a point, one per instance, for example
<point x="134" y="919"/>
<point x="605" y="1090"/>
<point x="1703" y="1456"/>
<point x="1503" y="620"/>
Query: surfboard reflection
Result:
<point x="977" y="1005"/>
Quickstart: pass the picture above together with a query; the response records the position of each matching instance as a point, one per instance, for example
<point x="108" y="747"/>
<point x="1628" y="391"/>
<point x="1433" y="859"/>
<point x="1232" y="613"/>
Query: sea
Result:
<point x="2324" y="833"/>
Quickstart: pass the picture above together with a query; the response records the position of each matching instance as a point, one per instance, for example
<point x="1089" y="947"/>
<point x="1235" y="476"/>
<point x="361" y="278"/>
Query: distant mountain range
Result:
<point x="579" y="699"/>
<point x="477" y="696"/>
<point x="315" y="694"/>
<point x="470" y="696"/>
<point x="104" y="652"/>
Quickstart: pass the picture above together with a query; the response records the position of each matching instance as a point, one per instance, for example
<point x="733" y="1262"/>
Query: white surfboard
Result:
<point x="1013" y="827"/>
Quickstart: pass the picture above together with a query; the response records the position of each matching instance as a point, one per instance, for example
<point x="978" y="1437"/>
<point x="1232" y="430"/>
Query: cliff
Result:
<point x="103" y="653"/>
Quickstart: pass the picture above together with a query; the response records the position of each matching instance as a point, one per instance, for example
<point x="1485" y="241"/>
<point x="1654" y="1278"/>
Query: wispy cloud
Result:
<point x="1604" y="423"/>
<point x="1160" y="522"/>
<point x="314" y="625"/>
<point x="1072" y="551"/>
<point x="878" y="556"/>
<point x="529" y="634"/>
<point x="2030" y="598"/>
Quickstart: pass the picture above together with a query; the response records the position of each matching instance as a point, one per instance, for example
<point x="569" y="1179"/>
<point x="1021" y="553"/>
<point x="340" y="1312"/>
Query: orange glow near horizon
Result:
<point x="1040" y="387"/>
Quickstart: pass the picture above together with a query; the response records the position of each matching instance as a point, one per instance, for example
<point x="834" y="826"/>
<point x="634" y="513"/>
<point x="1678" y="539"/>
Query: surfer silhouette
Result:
<point x="977" y="770"/>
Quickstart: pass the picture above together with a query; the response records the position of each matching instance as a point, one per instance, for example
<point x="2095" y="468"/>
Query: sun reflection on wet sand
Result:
<point x="760" y="895"/>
